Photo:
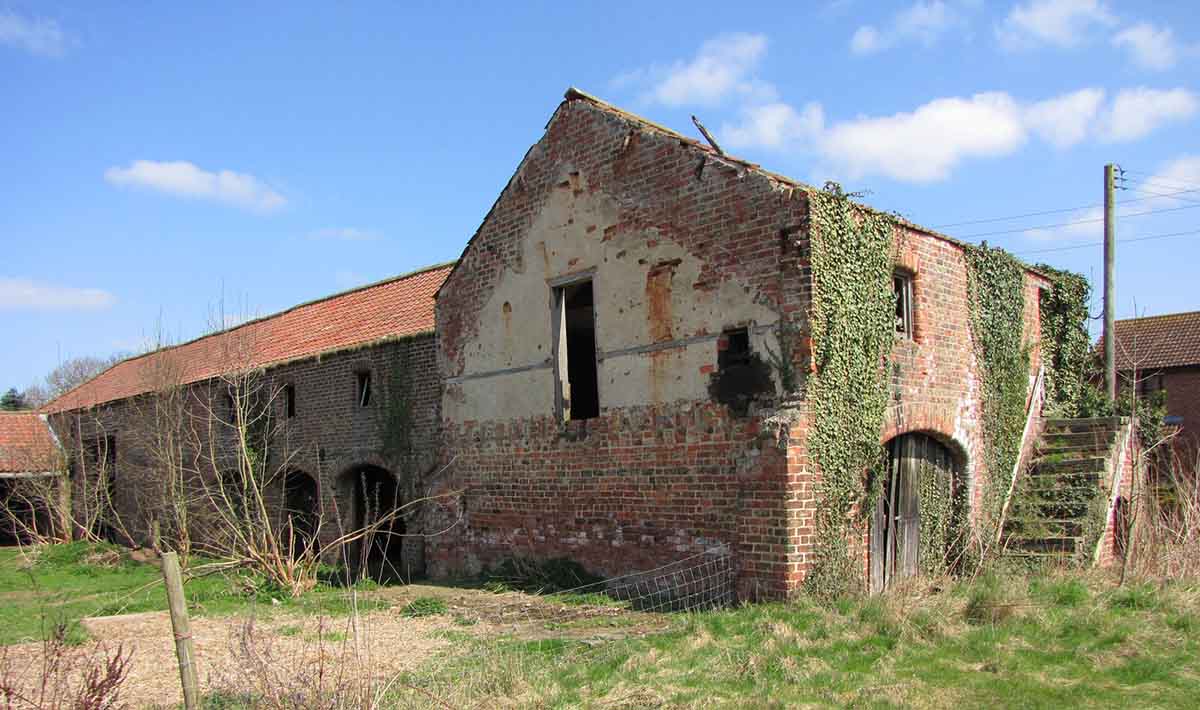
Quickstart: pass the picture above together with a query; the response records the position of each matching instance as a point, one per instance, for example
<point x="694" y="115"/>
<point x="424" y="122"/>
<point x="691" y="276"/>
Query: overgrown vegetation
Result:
<point x="1066" y="347"/>
<point x="1000" y="640"/>
<point x="852" y="322"/>
<point x="996" y="290"/>
<point x="44" y="587"/>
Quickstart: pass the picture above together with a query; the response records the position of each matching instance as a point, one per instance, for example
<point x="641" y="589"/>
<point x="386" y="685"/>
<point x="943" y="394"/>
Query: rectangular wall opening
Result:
<point x="575" y="342"/>
<point x="363" y="387"/>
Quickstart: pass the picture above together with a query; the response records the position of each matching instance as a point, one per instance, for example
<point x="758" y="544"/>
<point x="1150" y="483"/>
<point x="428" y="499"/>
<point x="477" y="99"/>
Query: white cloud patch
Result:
<point x="1135" y="113"/>
<point x="1065" y="120"/>
<point x="185" y="179"/>
<point x="1055" y="23"/>
<point x="26" y="294"/>
<point x="928" y="143"/>
<point x="345" y="234"/>
<point x="723" y="67"/>
<point x="1150" y="47"/>
<point x="922" y="22"/>
<point x="36" y="36"/>
<point x="775" y="125"/>
<point x="1074" y="225"/>
<point x="1178" y="175"/>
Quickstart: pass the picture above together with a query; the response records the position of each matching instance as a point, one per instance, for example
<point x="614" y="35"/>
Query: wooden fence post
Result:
<point x="185" y="650"/>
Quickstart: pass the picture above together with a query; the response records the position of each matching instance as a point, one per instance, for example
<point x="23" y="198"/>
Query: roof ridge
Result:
<point x="248" y="323"/>
<point x="1158" y="316"/>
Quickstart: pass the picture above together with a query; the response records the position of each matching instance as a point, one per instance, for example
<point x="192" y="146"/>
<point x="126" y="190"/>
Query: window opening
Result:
<point x="364" y="388"/>
<point x="289" y="400"/>
<point x="902" y="289"/>
<point x="575" y="344"/>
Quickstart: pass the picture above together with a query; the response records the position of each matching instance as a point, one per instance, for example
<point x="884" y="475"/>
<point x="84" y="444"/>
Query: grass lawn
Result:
<point x="1053" y="640"/>
<point x="41" y="587"/>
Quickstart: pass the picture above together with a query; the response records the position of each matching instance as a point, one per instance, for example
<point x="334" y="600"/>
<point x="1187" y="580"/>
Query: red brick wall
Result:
<point x="647" y="485"/>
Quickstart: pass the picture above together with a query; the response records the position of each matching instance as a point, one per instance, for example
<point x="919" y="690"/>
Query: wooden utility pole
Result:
<point x="185" y="650"/>
<point x="1110" y="288"/>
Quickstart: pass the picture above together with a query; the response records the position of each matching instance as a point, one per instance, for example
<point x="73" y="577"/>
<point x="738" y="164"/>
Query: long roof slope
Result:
<point x="386" y="310"/>
<point x="1171" y="340"/>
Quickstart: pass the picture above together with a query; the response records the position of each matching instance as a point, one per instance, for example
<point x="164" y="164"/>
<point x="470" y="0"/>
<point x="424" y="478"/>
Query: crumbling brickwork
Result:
<point x="661" y="227"/>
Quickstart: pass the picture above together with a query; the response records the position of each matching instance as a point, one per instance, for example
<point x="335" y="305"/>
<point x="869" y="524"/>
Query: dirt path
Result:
<point x="287" y="644"/>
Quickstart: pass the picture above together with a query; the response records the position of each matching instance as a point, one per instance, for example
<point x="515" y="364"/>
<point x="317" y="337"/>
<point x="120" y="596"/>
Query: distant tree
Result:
<point x="35" y="396"/>
<point x="12" y="401"/>
<point x="69" y="375"/>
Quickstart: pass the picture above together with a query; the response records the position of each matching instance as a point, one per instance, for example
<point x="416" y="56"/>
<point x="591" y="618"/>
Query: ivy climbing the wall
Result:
<point x="996" y="290"/>
<point x="1066" y="347"/>
<point x="852" y="327"/>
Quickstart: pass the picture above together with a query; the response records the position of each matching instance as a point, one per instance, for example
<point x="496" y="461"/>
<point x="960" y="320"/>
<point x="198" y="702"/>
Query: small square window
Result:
<point x="289" y="401"/>
<point x="363" y="378"/>
<point x="902" y="290"/>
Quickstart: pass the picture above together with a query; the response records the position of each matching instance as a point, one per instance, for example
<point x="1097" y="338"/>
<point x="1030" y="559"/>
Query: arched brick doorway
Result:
<point x="377" y="500"/>
<point x="301" y="509"/>
<point x="919" y="465"/>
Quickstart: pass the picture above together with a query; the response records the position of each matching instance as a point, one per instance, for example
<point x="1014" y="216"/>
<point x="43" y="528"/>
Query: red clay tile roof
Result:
<point x="1172" y="340"/>
<point x="26" y="444"/>
<point x="386" y="310"/>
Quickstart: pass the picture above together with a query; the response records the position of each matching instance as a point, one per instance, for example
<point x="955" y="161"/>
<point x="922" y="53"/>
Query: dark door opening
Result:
<point x="379" y="555"/>
<point x="896" y="544"/>
<point x="15" y="511"/>
<point x="301" y="501"/>
<point x="576" y="345"/>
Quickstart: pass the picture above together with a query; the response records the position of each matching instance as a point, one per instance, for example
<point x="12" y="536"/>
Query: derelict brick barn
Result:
<point x="596" y="377"/>
<point x="604" y="340"/>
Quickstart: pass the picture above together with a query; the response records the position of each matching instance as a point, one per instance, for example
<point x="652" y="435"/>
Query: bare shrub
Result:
<point x="1164" y="539"/>
<point x="67" y="679"/>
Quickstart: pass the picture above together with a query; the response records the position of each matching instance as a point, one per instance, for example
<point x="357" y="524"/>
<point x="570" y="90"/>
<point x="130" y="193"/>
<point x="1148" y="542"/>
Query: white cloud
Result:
<point x="928" y="143"/>
<point x="1065" y="120"/>
<point x="922" y="22"/>
<point x="775" y="125"/>
<point x="345" y="234"/>
<point x="1075" y="225"/>
<point x="187" y="180"/>
<point x="1057" y="23"/>
<point x="1177" y="175"/>
<point x="1136" y="113"/>
<point x="1150" y="47"/>
<point x="37" y="36"/>
<point x="723" y="66"/>
<point x="26" y="294"/>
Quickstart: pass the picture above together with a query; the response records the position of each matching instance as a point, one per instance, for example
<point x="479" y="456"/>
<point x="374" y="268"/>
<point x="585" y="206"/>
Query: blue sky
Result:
<point x="158" y="161"/>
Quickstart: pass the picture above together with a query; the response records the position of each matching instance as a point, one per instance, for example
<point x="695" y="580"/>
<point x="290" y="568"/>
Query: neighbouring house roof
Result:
<point x="27" y="446"/>
<point x="387" y="310"/>
<point x="1155" y="342"/>
<point x="575" y="95"/>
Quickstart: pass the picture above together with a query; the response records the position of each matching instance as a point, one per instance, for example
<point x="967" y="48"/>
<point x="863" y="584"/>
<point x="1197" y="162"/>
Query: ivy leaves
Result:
<point x="852" y="324"/>
<point x="996" y="289"/>
<point x="1066" y="347"/>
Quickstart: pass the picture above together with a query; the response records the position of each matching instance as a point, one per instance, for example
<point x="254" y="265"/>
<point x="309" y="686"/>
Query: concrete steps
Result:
<point x="1048" y="513"/>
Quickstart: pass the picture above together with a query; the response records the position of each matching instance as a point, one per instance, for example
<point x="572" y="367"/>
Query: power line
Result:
<point x="1156" y="176"/>
<point x="1079" y="221"/>
<point x="1172" y="195"/>
<point x="1059" y="211"/>
<point x="1119" y="241"/>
